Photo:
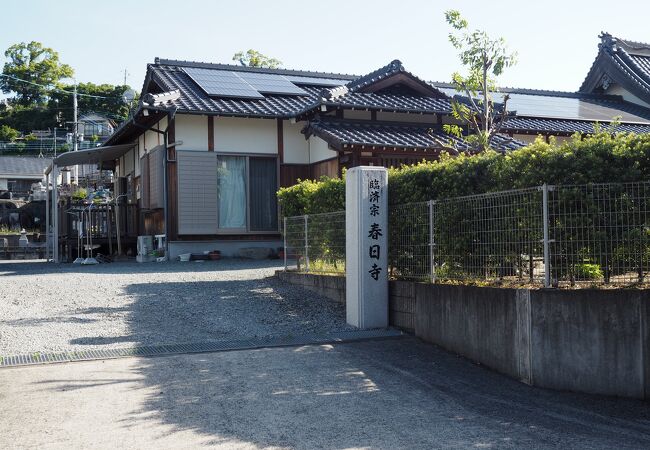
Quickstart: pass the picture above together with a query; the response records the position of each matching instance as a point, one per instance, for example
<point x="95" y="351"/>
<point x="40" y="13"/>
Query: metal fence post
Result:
<point x="306" y="245"/>
<point x="547" y="259"/>
<point x="432" y="267"/>
<point x="284" y="226"/>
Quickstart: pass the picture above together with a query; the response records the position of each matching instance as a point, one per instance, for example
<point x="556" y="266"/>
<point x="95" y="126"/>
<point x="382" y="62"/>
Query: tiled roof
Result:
<point x="541" y="125"/>
<point x="167" y="85"/>
<point x="194" y="99"/>
<point x="624" y="62"/>
<point x="390" y="102"/>
<point x="23" y="165"/>
<point x="384" y="135"/>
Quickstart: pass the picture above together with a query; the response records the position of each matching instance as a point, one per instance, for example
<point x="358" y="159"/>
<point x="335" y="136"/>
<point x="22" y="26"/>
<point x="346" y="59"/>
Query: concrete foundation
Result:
<point x="227" y="248"/>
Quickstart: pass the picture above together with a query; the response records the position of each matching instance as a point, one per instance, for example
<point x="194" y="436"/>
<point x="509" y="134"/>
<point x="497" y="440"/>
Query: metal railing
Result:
<point x="546" y="235"/>
<point x="315" y="243"/>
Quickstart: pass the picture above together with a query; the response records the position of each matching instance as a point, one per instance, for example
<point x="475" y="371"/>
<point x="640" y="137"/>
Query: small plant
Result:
<point x="588" y="271"/>
<point x="80" y="194"/>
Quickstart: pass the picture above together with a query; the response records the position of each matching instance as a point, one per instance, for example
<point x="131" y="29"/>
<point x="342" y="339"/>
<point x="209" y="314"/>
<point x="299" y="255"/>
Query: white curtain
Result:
<point x="232" y="191"/>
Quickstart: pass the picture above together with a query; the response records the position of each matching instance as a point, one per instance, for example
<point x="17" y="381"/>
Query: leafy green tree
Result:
<point x="104" y="99"/>
<point x="484" y="59"/>
<point x="34" y="63"/>
<point x="8" y="134"/>
<point x="253" y="58"/>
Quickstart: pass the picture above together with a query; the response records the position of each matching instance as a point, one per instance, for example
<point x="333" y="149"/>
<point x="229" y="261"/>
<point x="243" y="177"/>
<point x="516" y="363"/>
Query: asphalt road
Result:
<point x="397" y="393"/>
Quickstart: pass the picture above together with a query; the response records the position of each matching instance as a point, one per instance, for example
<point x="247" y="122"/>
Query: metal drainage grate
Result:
<point x="201" y="347"/>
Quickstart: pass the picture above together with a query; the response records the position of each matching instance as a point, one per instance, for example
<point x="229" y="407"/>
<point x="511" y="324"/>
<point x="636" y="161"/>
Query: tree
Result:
<point x="484" y="59"/>
<point x="253" y="58"/>
<point x="33" y="63"/>
<point x="104" y="99"/>
<point x="8" y="134"/>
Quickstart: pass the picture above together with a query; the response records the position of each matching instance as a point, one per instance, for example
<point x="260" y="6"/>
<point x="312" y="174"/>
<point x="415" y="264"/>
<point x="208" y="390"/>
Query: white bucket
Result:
<point x="185" y="256"/>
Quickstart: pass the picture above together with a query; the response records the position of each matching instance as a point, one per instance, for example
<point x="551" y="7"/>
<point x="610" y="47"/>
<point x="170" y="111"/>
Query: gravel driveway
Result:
<point x="45" y="307"/>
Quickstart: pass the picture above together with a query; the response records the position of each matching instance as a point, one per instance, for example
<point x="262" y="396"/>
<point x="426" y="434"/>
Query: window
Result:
<point x="246" y="193"/>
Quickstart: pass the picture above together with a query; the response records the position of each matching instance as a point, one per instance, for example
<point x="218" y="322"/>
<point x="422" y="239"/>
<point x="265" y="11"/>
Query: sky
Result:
<point x="556" y="41"/>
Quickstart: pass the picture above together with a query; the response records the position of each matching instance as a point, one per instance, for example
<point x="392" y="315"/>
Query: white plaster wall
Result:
<point x="151" y="140"/>
<point x="239" y="135"/>
<point x="403" y="117"/>
<point x="318" y="150"/>
<point x="141" y="147"/>
<point x="136" y="151"/>
<point x="527" y="138"/>
<point x="296" y="147"/>
<point x="193" y="131"/>
<point x="362" y="115"/>
<point x="128" y="162"/>
<point x="616" y="89"/>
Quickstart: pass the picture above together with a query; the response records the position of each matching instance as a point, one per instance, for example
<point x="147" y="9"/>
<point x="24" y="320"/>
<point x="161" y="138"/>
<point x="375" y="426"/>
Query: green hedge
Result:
<point x="599" y="158"/>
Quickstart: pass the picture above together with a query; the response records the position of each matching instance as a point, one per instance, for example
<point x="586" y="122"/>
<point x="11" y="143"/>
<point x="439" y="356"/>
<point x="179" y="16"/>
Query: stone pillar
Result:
<point x="366" y="249"/>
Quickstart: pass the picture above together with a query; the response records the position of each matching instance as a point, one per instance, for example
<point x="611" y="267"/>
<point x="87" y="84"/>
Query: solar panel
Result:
<point x="269" y="83"/>
<point x="312" y="81"/>
<point x="221" y="83"/>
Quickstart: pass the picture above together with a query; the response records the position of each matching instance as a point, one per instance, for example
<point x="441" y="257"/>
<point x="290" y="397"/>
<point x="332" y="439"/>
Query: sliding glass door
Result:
<point x="246" y="193"/>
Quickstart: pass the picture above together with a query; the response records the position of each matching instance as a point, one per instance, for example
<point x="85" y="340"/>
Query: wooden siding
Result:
<point x="329" y="167"/>
<point x="290" y="173"/>
<point x="197" y="192"/>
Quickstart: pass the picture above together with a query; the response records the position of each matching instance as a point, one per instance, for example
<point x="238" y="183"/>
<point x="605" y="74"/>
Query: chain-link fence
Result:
<point x="315" y="243"/>
<point x="549" y="235"/>
<point x="599" y="233"/>
<point x="546" y="235"/>
<point x="492" y="236"/>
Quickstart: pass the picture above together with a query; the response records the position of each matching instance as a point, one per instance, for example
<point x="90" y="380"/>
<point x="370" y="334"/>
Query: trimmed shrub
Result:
<point x="599" y="158"/>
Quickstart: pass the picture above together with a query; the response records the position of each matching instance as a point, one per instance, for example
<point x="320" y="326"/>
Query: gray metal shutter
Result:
<point x="197" y="192"/>
<point x="144" y="181"/>
<point x="156" y="181"/>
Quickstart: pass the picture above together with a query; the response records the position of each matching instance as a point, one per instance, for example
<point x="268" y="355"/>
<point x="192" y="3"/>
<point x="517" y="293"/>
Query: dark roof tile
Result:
<point x="343" y="133"/>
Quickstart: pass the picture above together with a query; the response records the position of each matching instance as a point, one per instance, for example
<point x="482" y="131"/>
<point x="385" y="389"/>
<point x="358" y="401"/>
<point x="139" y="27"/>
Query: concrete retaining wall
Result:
<point x="586" y="340"/>
<point x="401" y="296"/>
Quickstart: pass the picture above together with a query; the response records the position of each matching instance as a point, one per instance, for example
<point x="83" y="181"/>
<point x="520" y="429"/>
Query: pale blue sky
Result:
<point x="556" y="40"/>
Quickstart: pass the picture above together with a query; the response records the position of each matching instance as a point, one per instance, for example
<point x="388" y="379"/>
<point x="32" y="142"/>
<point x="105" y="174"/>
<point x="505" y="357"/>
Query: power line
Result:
<point x="53" y="88"/>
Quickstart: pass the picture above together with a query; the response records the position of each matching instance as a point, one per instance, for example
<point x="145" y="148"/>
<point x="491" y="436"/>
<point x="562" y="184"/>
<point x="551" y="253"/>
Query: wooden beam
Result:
<point x="210" y="133"/>
<point x="172" y="186"/>
<point x="280" y="141"/>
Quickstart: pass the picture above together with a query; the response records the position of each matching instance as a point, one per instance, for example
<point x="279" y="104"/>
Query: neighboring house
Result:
<point x="94" y="124"/>
<point x="18" y="173"/>
<point x="621" y="68"/>
<point x="209" y="145"/>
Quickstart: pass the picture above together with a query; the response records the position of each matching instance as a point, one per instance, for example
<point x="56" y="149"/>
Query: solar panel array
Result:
<point x="221" y="83"/>
<point x="268" y="83"/>
<point x="565" y="107"/>
<point x="251" y="85"/>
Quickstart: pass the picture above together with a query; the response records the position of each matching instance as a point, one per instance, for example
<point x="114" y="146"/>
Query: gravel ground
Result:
<point x="45" y="307"/>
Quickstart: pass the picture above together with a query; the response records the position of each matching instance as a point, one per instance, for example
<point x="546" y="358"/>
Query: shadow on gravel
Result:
<point x="201" y="311"/>
<point x="382" y="394"/>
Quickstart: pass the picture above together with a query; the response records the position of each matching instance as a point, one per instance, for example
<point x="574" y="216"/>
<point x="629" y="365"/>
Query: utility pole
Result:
<point x="125" y="74"/>
<point x="75" y="135"/>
